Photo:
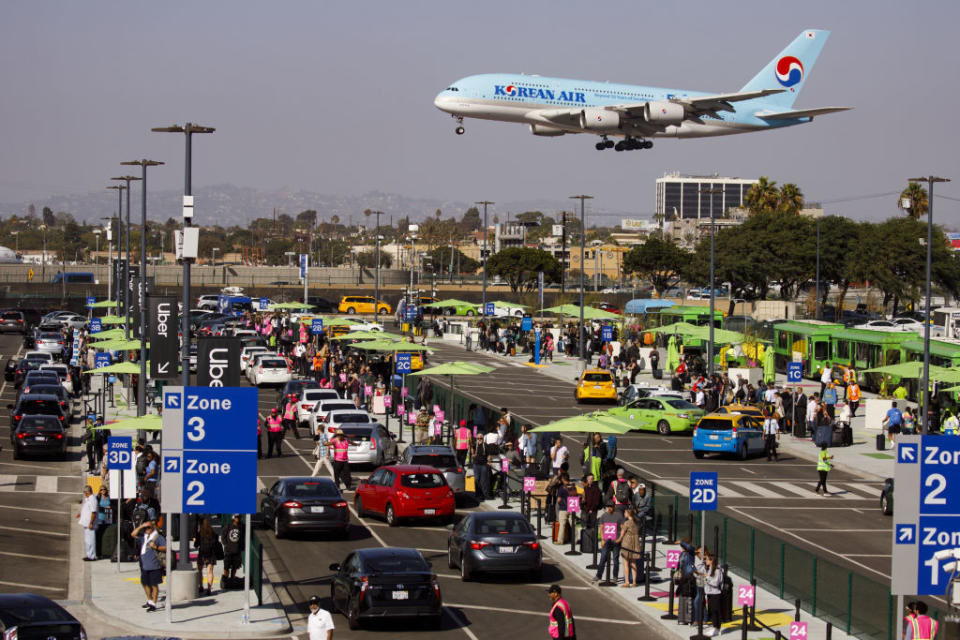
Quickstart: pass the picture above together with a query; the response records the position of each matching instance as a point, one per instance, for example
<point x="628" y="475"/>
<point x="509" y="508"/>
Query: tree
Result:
<point x="790" y="198"/>
<point x="47" y="216"/>
<point x="763" y="196"/>
<point x="307" y="219"/>
<point x="445" y="256"/>
<point x="657" y="260"/>
<point x="471" y="220"/>
<point x="368" y="259"/>
<point x="520" y="266"/>
<point x="915" y="199"/>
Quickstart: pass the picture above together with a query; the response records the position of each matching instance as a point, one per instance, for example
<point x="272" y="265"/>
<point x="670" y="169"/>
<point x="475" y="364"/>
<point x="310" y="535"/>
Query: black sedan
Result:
<point x="385" y="583"/>
<point x="26" y="615"/>
<point x="290" y="392"/>
<point x="304" y="504"/>
<point x="494" y="542"/>
<point x="39" y="435"/>
<point x="23" y="368"/>
<point x="37" y="404"/>
<point x="9" y="370"/>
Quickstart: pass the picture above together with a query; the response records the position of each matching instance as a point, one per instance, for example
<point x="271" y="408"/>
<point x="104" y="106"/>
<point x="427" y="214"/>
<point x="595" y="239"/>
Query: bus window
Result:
<point x="863" y="352"/>
<point x="782" y="340"/>
<point x="843" y="349"/>
<point x="821" y="350"/>
<point x="893" y="356"/>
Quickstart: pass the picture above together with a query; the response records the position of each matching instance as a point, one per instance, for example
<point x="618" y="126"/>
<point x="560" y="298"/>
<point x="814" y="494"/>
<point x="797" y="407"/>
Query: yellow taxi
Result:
<point x="363" y="304"/>
<point x="596" y="384"/>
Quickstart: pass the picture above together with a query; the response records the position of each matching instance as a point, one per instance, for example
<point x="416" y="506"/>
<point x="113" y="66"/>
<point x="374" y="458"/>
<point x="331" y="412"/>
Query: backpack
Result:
<point x="142" y="465"/>
<point x="622" y="492"/>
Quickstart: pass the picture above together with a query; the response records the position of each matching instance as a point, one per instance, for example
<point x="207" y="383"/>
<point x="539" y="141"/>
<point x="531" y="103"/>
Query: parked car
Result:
<point x="336" y="418"/>
<point x="290" y="391"/>
<point x="363" y="304"/>
<point x="317" y="420"/>
<point x="405" y="491"/>
<point x="664" y="415"/>
<point x="494" y="542"/>
<point x="304" y="504"/>
<point x="39" y="434"/>
<point x="385" y="583"/>
<point x="247" y="352"/>
<point x="321" y="305"/>
<point x="43" y="357"/>
<point x="643" y="390"/>
<point x="596" y="385"/>
<point x="886" y="497"/>
<point x="439" y="457"/>
<point x="738" y="433"/>
<point x="271" y="370"/>
<point x="208" y="301"/>
<point x="307" y="399"/>
<point x="13" y="320"/>
<point x="37" y="404"/>
<point x="68" y="319"/>
<point x="27" y="615"/>
<point x="370" y="443"/>
<point x="51" y="343"/>
<point x="45" y="387"/>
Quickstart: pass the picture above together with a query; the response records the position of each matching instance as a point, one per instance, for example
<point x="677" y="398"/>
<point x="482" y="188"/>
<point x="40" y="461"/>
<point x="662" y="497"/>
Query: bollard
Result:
<point x="796" y="613"/>
<point x="593" y="533"/>
<point x="829" y="631"/>
<point x="653" y="544"/>
<point x="744" y="613"/>
<point x="753" y="610"/>
<point x="778" y="635"/>
<point x="670" y="530"/>
<point x="670" y="615"/>
<point x="573" y="536"/>
<point x="539" y="518"/>
<point x="646" y="597"/>
<point x="690" y="528"/>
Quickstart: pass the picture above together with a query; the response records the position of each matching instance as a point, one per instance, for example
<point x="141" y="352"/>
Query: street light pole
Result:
<point x="713" y="292"/>
<point x="142" y="285"/>
<point x="376" y="266"/>
<point x="583" y="237"/>
<point x="126" y="265"/>
<point x="483" y="258"/>
<point x="817" y="292"/>
<point x="930" y="180"/>
<point x="120" y="188"/>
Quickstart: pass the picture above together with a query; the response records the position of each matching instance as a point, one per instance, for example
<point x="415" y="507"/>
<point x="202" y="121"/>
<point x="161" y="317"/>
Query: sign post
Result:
<point x="119" y="458"/>
<point x="263" y="304"/>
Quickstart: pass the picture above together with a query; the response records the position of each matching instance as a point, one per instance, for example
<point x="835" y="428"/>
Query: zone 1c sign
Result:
<point x="704" y="487"/>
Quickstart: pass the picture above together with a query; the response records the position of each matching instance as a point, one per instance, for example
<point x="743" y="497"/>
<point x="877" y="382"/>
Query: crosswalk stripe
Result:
<point x="804" y="490"/>
<point x="46" y="484"/>
<point x="845" y="493"/>
<point x="676" y="487"/>
<point x="8" y="482"/>
<point x="757" y="489"/>
<point x="727" y="492"/>
<point x="260" y="485"/>
<point x="872" y="490"/>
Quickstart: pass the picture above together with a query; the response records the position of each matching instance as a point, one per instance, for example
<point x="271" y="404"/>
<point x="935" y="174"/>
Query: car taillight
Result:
<point x="58" y="436"/>
<point x="292" y="504"/>
<point x="532" y="545"/>
<point x="364" y="583"/>
<point x="436" y="587"/>
<point x="459" y="469"/>
<point x="63" y="403"/>
<point x="17" y="417"/>
<point x="476" y="546"/>
<point x="61" y="418"/>
<point x="404" y="495"/>
<point x="340" y="505"/>
<point x="21" y="436"/>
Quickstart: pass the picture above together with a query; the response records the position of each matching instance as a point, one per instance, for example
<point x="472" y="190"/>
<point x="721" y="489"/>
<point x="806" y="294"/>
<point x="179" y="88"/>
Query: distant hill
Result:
<point x="231" y="205"/>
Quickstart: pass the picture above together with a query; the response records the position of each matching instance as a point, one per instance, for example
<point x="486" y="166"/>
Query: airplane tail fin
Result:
<point x="790" y="68"/>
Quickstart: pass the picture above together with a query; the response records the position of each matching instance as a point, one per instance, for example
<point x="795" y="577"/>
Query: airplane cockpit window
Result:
<point x="452" y="89"/>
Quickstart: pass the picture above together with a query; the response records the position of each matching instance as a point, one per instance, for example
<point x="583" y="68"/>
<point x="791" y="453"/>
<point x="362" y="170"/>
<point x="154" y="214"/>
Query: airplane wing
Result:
<point x="799" y="113"/>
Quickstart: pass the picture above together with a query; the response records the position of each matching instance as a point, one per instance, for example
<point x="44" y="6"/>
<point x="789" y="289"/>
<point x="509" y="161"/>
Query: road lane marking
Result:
<point x="31" y="557"/>
<point x="8" y="482"/>
<point x="761" y="491"/>
<point x="803" y="492"/>
<point x="11" y="506"/>
<point x="676" y="487"/>
<point x="38" y="531"/>
<point x="32" y="586"/>
<point x="537" y="613"/>
<point x="46" y="484"/>
<point x="727" y="492"/>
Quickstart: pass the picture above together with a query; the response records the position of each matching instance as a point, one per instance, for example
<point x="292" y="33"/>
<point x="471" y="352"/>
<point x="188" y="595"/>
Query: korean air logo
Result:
<point x="789" y="71"/>
<point x="510" y="90"/>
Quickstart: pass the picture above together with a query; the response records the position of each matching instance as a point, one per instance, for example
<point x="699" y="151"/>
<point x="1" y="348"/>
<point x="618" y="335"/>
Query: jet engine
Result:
<point x="544" y="130"/>
<point x="663" y="112"/>
<point x="599" y="120"/>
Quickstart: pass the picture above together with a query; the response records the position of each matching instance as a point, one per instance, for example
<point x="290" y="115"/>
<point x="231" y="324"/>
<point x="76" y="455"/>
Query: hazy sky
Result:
<point x="336" y="97"/>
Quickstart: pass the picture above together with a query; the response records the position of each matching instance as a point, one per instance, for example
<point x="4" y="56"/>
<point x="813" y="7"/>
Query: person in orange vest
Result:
<point x="340" y="446"/>
<point x="921" y="626"/>
<point x="461" y="442"/>
<point x="317" y="366"/>
<point x="561" y="617"/>
<point x="274" y="432"/>
<point x="290" y="419"/>
<point x="853" y="395"/>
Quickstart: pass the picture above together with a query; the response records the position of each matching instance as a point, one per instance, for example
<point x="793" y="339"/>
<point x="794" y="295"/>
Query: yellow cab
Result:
<point x="596" y="384"/>
<point x="362" y="304"/>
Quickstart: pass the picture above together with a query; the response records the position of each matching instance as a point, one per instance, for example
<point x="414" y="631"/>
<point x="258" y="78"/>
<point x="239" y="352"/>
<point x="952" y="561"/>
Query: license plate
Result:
<point x="316" y="509"/>
<point x="429" y="512"/>
<point x="504" y="549"/>
<point x="41" y="438"/>
<point x="714" y="437"/>
<point x="596" y="388"/>
<point x="401" y="595"/>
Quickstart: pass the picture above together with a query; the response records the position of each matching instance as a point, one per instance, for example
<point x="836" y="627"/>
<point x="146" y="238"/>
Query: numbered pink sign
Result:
<point x="609" y="531"/>
<point x="436" y="408"/>
<point x="367" y="390"/>
<point x="529" y="484"/>
<point x="403" y="392"/>
<point x="439" y="415"/>
<point x="401" y="410"/>
<point x="573" y="504"/>
<point x="343" y="377"/>
<point x="673" y="558"/>
<point x="436" y="428"/>
<point x="745" y="593"/>
<point x="387" y="402"/>
<point x="505" y="466"/>
<point x="411" y="418"/>
<point x="798" y="631"/>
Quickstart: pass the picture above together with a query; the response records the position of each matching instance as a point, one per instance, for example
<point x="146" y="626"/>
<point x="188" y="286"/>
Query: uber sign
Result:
<point x="218" y="362"/>
<point x="164" y="340"/>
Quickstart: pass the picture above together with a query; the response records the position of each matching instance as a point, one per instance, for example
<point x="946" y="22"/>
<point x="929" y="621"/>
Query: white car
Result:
<point x="318" y="415"/>
<point x="642" y="390"/>
<point x="366" y="325"/>
<point x="508" y="312"/>
<point x="308" y="399"/>
<point x="65" y="319"/>
<point x="43" y="356"/>
<point x="238" y="332"/>
<point x="208" y="301"/>
<point x="337" y="418"/>
<point x="254" y="359"/>
<point x="896" y="324"/>
<point x="247" y="353"/>
<point x="63" y="372"/>
<point x="271" y="370"/>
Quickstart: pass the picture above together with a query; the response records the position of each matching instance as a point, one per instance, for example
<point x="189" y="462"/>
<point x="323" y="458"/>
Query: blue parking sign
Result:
<point x="404" y="363"/>
<point x="526" y="323"/>
<point x="316" y="326"/>
<point x="119" y="452"/>
<point x="794" y="372"/>
<point x="606" y="333"/>
<point x="410" y="312"/>
<point x="101" y="360"/>
<point x="489" y="309"/>
<point x="264" y="303"/>
<point x="90" y="301"/>
<point x="96" y="325"/>
<point x="704" y="487"/>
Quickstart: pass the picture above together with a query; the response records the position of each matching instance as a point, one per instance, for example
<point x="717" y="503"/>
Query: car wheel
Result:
<point x="391" y="516"/>
<point x="353" y="615"/>
<point x="742" y="453"/>
<point x="698" y="455"/>
<point x="885" y="507"/>
<point x="465" y="574"/>
<point x="358" y="507"/>
<point x="277" y="527"/>
<point x="469" y="312"/>
<point x="663" y="428"/>
<point x="451" y="564"/>
<point x="381" y="311"/>
<point x="351" y="311"/>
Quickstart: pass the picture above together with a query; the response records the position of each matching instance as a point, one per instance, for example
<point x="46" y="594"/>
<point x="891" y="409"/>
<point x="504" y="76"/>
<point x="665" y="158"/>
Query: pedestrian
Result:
<point x="527" y="444"/>
<point x="629" y="541"/>
<point x="826" y="376"/>
<point x="713" y="588"/>
<point x="561" y="617"/>
<point x="830" y="399"/>
<point x="87" y="518"/>
<point x="892" y="422"/>
<point x="619" y="491"/>
<point x="922" y="627"/>
<point x="151" y="567"/>
<point x="290" y="418"/>
<point x="340" y="447"/>
<point x="461" y="442"/>
<point x="641" y="500"/>
<point x="205" y="541"/>
<point x="823" y="468"/>
<point x="481" y="470"/>
<point x="951" y="425"/>
<point x="104" y="512"/>
<point x="610" y="522"/>
<point x="853" y="395"/>
<point x="558" y="455"/>
<point x="591" y="503"/>
<point x="423" y="424"/>
<point x="909" y="425"/>
<point x="771" y="433"/>
<point x="319" y="622"/>
<point x="274" y="433"/>
<point x="231" y="537"/>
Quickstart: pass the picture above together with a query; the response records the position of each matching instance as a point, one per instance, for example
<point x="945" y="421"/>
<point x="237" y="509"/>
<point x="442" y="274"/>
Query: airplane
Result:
<point x="558" y="106"/>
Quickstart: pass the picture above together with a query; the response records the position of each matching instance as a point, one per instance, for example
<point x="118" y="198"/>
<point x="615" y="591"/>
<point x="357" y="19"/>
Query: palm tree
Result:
<point x="763" y="196"/>
<point x="914" y="200"/>
<point x="791" y="198"/>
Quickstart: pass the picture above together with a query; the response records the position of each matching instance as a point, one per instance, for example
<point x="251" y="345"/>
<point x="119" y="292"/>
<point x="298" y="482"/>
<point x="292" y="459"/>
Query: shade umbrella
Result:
<point x="109" y="319"/>
<point x="119" y="345"/>
<point x="596" y="422"/>
<point x="913" y="369"/>
<point x="451" y="369"/>
<point x="678" y="329"/>
<point x="286" y="306"/>
<point x="150" y="422"/>
<point x="503" y="304"/>
<point x="109" y="334"/>
<point x="769" y="374"/>
<point x="951" y="389"/>
<point x="719" y="335"/>
<point x="103" y="304"/>
<point x="119" y="367"/>
<point x="331" y="322"/>
<point x="389" y="345"/>
<point x="589" y="313"/>
<point x="368" y="335"/>
<point x="945" y="375"/>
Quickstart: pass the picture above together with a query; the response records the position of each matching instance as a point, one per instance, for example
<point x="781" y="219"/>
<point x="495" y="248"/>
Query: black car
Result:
<point x="304" y="504"/>
<point x="494" y="542"/>
<point x="321" y="305"/>
<point x="886" y="497"/>
<point x="385" y="583"/>
<point x="24" y="367"/>
<point x="37" y="404"/>
<point x="291" y="390"/>
<point x="27" y="615"/>
<point x="48" y="387"/>
<point x="39" y="434"/>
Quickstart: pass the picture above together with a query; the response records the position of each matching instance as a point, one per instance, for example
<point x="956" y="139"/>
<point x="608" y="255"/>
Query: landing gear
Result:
<point x="459" y="131"/>
<point x="459" y="128"/>
<point x="604" y="144"/>
<point x="630" y="144"/>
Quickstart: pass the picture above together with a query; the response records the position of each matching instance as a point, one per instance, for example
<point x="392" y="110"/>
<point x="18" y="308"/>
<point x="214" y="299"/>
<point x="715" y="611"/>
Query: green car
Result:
<point x="663" y="415"/>
<point x="466" y="309"/>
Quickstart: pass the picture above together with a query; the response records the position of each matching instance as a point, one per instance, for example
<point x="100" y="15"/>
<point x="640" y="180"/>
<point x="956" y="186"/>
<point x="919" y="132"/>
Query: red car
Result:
<point x="606" y="306"/>
<point x="405" y="491"/>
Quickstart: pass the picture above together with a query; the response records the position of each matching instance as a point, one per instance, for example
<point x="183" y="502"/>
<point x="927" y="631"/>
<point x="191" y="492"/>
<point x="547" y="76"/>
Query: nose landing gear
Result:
<point x="460" y="130"/>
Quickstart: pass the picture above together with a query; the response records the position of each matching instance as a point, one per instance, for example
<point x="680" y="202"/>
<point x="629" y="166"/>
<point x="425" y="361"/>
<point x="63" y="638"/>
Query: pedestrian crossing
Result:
<point x="39" y="484"/>
<point x="780" y="489"/>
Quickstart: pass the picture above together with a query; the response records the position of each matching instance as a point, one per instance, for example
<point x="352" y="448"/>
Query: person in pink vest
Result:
<point x="339" y="446"/>
<point x="290" y="419"/>
<point x="461" y="442"/>
<point x="274" y="432"/>
<point x="921" y="626"/>
<point x="561" y="617"/>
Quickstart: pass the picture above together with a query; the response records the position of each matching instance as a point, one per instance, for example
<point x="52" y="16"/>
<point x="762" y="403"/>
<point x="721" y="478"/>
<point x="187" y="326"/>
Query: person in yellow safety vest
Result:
<point x="853" y="396"/>
<point x="274" y="432"/>
<point x="461" y="442"/>
<point x="290" y="419"/>
<point x="341" y="462"/>
<point x="922" y="626"/>
<point x="823" y="468"/>
<point x="561" y="617"/>
<point x="951" y="425"/>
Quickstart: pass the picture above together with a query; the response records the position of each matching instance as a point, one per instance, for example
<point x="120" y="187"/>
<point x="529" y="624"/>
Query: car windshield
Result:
<point x="311" y="489"/>
<point x="38" y="356"/>
<point x="36" y="423"/>
<point x="424" y="480"/>
<point x="41" y="612"/>
<point x="314" y="395"/>
<point x="347" y="418"/>
<point x="10" y="315"/>
<point x="715" y="424"/>
<point x="273" y="363"/>
<point x="501" y="526"/>
<point x="680" y="404"/>
<point x="439" y="460"/>
<point x="394" y="564"/>
<point x="597" y="377"/>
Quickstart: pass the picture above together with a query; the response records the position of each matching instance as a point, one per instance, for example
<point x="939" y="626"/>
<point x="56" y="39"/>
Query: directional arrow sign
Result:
<point x="906" y="533"/>
<point x="171" y="465"/>
<point x="907" y="453"/>
<point x="172" y="401"/>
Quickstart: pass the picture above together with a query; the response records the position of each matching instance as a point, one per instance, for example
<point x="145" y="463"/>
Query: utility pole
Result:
<point x="376" y="271"/>
<point x="583" y="237"/>
<point x="483" y="256"/>
<point x="563" y="253"/>
<point x="713" y="297"/>
<point x="126" y="265"/>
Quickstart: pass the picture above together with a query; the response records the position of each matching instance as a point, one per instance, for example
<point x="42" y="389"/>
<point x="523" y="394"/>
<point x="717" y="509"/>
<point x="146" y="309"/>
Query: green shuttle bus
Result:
<point x="698" y="315"/>
<point x="809" y="338"/>
<point x="943" y="353"/>
<point x="865" y="349"/>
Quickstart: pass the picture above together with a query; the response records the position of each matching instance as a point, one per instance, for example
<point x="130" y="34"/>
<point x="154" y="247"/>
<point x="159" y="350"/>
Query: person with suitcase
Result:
<point x="231" y="537"/>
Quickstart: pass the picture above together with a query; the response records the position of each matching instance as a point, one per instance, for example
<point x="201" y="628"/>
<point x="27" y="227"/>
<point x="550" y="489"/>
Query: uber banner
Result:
<point x="164" y="340"/>
<point x="218" y="362"/>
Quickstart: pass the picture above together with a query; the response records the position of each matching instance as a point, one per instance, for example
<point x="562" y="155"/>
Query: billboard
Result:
<point x="218" y="362"/>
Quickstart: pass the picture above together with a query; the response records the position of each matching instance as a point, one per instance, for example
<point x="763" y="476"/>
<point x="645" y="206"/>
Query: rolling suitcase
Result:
<point x="658" y="374"/>
<point x="881" y="442"/>
<point x="588" y="540"/>
<point x="847" y="437"/>
<point x="685" y="610"/>
<point x="231" y="584"/>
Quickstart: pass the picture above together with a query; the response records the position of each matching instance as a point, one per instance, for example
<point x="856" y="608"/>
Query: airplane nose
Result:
<point x="442" y="102"/>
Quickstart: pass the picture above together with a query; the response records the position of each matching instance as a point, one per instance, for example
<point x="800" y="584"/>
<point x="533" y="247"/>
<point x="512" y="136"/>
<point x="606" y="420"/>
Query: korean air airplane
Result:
<point x="557" y="106"/>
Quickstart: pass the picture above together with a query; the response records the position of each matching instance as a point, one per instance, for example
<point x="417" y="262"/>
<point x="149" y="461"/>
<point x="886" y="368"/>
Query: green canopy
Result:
<point x="120" y="367"/>
<point x="389" y="345"/>
<point x="452" y="302"/>
<point x="589" y="313"/>
<point x="103" y="304"/>
<point x="458" y="368"/>
<point x="109" y="334"/>
<point x="503" y="304"/>
<point x="368" y="335"/>
<point x="911" y="369"/>
<point x="720" y="336"/>
<point x="945" y="375"/>
<point x="111" y="320"/>
<point x="119" y="345"/>
<point x="150" y="422"/>
<point x="951" y="389"/>
<point x="595" y="422"/>
<point x="286" y="306"/>
<point x="679" y="328"/>
<point x="329" y="322"/>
